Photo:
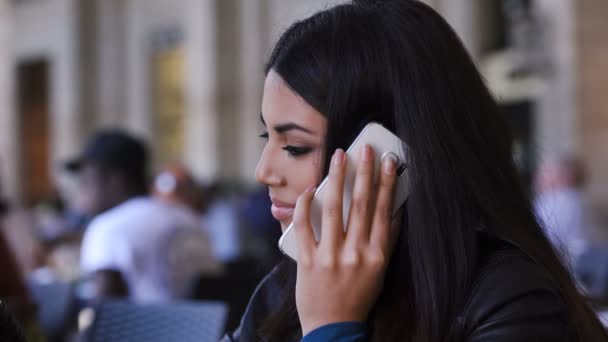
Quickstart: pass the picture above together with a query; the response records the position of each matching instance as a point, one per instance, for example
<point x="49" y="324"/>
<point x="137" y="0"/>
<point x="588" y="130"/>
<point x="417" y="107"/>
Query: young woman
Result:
<point x="465" y="260"/>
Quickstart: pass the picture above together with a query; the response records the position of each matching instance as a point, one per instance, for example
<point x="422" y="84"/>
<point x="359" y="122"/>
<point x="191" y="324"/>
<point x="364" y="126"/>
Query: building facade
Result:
<point x="187" y="76"/>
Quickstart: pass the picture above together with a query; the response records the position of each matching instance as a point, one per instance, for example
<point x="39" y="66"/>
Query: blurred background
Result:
<point x="186" y="76"/>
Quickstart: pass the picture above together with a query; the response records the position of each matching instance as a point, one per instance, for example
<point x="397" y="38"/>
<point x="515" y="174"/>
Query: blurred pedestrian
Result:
<point x="221" y="221"/>
<point x="562" y="209"/>
<point x="16" y="305"/>
<point x="112" y="171"/>
<point x="175" y="184"/>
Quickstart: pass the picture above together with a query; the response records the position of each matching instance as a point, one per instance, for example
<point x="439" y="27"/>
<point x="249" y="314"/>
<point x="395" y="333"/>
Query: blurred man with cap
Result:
<point x="136" y="245"/>
<point x="112" y="169"/>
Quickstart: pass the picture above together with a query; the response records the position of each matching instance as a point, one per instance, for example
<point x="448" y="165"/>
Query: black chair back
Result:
<point x="121" y="321"/>
<point x="234" y="287"/>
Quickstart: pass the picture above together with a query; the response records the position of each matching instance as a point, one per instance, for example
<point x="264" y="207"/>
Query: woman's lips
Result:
<point x="282" y="212"/>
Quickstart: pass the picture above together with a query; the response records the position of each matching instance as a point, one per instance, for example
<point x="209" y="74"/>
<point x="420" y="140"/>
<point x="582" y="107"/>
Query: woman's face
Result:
<point x="291" y="160"/>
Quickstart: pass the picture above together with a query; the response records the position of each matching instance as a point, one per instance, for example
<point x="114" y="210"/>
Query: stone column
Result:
<point x="463" y="17"/>
<point x="68" y="125"/>
<point x="88" y="71"/>
<point x="255" y="34"/>
<point x="229" y="86"/>
<point x="283" y="13"/>
<point x="138" y="102"/>
<point x="202" y="122"/>
<point x="592" y="56"/>
<point x="556" y="107"/>
<point x="9" y="179"/>
<point x="111" y="62"/>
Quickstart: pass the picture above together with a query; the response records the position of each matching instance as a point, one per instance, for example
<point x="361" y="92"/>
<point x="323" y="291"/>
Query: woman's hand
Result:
<point x="340" y="278"/>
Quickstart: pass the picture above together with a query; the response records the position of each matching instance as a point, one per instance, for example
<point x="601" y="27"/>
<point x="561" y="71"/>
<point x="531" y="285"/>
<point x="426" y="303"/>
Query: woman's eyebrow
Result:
<point x="291" y="126"/>
<point x="282" y="128"/>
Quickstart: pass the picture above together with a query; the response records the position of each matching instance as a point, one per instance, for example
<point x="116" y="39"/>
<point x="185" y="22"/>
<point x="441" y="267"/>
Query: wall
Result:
<point x="557" y="107"/>
<point x="111" y="65"/>
<point x="592" y="46"/>
<point x="8" y="174"/>
<point x="33" y="38"/>
<point x="100" y="62"/>
<point x="197" y="22"/>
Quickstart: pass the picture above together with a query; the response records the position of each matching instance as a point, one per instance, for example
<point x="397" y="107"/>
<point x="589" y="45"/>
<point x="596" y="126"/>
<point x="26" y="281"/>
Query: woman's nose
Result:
<point x="266" y="172"/>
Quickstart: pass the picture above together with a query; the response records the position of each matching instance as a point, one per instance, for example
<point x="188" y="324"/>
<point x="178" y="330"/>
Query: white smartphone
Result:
<point x="384" y="143"/>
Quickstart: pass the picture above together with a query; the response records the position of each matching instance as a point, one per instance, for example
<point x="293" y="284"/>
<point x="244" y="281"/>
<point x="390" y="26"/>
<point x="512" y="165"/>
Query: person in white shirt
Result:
<point x="146" y="248"/>
<point x="157" y="247"/>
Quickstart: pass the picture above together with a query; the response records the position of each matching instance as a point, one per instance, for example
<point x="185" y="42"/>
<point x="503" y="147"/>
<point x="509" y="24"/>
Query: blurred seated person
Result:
<point x="13" y="290"/>
<point x="221" y="222"/>
<point x="561" y="207"/>
<point x="176" y="187"/>
<point x="16" y="306"/>
<point x="175" y="184"/>
<point x="135" y="245"/>
<point x="20" y="233"/>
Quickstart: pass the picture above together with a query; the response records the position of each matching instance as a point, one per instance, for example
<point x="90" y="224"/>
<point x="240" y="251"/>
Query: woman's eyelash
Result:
<point x="295" y="151"/>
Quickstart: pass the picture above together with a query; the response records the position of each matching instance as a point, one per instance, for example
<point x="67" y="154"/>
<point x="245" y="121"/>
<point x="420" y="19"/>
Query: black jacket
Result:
<point x="512" y="299"/>
<point x="9" y="330"/>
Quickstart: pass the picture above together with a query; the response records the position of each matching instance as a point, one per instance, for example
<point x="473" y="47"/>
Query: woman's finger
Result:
<point x="332" y="231"/>
<point x="305" y="238"/>
<point x="359" y="218"/>
<point x="381" y="224"/>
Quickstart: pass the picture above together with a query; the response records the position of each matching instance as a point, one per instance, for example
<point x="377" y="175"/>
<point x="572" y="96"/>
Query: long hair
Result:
<point x="400" y="64"/>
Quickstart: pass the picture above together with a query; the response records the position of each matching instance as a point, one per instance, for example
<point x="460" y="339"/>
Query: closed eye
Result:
<point x="296" y="151"/>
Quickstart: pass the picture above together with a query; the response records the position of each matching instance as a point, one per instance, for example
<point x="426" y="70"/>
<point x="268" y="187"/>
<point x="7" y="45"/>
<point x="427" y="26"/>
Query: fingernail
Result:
<point x="311" y="189"/>
<point x="389" y="165"/>
<point x="365" y="153"/>
<point x="338" y="157"/>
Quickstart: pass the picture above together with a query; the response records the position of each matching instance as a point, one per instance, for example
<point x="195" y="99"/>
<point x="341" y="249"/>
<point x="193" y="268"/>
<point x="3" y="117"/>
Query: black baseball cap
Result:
<point x="112" y="149"/>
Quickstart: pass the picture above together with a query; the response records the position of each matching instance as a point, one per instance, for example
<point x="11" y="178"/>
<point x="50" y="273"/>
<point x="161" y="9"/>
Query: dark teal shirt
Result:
<point x="338" y="332"/>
